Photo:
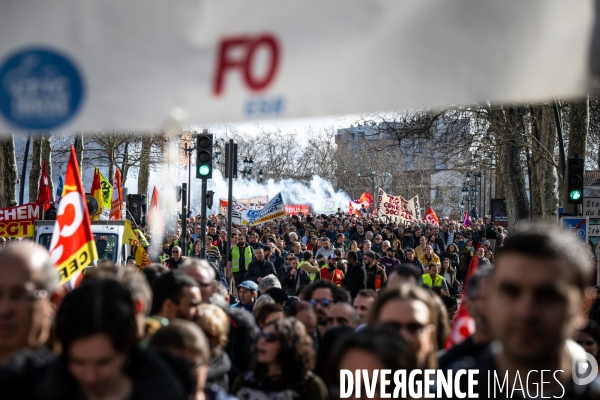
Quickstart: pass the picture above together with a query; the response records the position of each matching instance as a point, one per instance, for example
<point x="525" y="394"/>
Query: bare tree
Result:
<point x="34" y="173"/>
<point x="8" y="172"/>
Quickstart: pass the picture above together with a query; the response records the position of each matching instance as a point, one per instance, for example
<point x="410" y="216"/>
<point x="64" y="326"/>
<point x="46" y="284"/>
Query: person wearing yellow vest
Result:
<point x="240" y="257"/>
<point x="307" y="265"/>
<point x="433" y="279"/>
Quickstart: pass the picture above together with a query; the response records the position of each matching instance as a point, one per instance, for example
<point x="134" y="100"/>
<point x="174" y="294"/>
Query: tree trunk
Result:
<point x="549" y="172"/>
<point x="504" y="124"/>
<point x="47" y="155"/>
<point x="537" y="152"/>
<point x="34" y="173"/>
<point x="79" y="151"/>
<point x="144" y="174"/>
<point x="8" y="172"/>
<point x="579" y="121"/>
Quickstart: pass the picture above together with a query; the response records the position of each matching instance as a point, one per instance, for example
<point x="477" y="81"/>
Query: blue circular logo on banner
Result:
<point x="39" y="89"/>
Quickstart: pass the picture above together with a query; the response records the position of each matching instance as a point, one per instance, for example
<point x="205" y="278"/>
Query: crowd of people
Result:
<point x="276" y="311"/>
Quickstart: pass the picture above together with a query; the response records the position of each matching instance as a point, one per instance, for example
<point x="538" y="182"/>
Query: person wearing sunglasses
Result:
<point x="176" y="258"/>
<point x="410" y="310"/>
<point x="322" y="294"/>
<point x="284" y="359"/>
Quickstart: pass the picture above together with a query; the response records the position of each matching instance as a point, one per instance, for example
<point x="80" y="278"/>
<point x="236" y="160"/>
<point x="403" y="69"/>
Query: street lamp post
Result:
<point x="373" y="181"/>
<point x="470" y="192"/>
<point x="189" y="151"/>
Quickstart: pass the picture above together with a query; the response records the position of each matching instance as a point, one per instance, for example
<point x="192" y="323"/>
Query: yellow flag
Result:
<point x="106" y="198"/>
<point x="129" y="237"/>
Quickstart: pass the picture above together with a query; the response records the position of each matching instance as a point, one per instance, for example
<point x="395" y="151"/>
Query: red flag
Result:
<point x="431" y="217"/>
<point x="116" y="202"/>
<point x="463" y="324"/>
<point x="72" y="247"/>
<point x="354" y="208"/>
<point x="155" y="218"/>
<point x="365" y="199"/>
<point x="44" y="195"/>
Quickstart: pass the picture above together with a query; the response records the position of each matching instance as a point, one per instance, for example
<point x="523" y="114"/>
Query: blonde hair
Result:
<point x="215" y="324"/>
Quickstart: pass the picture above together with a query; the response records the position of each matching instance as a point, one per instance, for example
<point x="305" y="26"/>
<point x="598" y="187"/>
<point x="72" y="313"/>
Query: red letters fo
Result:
<point x="248" y="46"/>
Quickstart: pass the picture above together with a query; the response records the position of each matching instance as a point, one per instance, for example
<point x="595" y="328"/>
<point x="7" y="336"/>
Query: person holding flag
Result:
<point x="72" y="247"/>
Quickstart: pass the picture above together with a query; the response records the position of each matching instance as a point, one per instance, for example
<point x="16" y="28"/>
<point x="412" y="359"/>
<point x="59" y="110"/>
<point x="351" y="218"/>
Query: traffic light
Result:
<point x="136" y="207"/>
<point x="209" y="198"/>
<point x="204" y="155"/>
<point x="575" y="181"/>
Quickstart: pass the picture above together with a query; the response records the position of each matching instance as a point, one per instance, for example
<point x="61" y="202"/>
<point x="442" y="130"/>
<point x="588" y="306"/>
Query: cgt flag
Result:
<point x="72" y="247"/>
<point x="431" y="217"/>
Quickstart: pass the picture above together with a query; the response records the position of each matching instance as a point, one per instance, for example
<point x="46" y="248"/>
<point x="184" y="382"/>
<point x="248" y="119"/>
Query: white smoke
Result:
<point x="318" y="192"/>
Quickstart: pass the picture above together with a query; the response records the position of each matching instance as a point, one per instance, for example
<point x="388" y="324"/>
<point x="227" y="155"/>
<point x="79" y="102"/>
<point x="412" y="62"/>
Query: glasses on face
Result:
<point x="413" y="328"/>
<point x="23" y="296"/>
<point x="270" y="337"/>
<point x="289" y="258"/>
<point x="175" y="251"/>
<point x="322" y="302"/>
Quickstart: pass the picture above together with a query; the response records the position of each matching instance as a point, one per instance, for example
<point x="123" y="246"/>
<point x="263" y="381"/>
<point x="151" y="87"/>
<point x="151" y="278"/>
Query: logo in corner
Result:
<point x="584" y="370"/>
<point x="39" y="89"/>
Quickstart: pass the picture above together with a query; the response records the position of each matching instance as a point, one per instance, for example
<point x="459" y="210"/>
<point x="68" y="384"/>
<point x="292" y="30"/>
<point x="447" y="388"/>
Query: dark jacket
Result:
<point x="258" y="269"/>
<point x="290" y="282"/>
<point x="454" y="260"/>
<point x="218" y="370"/>
<point x="417" y="264"/>
<point x="278" y="262"/>
<point x="408" y="241"/>
<point x="465" y="258"/>
<point x="242" y="337"/>
<point x="355" y="279"/>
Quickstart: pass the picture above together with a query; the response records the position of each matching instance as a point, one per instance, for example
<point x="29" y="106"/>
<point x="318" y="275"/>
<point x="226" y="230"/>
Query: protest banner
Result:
<point x="294" y="209"/>
<point x="397" y="209"/>
<point x="18" y="221"/>
<point x="236" y="61"/>
<point x="274" y="209"/>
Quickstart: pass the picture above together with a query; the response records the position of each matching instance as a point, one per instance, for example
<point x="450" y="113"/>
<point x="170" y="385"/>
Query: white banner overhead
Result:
<point x="397" y="209"/>
<point x="124" y="64"/>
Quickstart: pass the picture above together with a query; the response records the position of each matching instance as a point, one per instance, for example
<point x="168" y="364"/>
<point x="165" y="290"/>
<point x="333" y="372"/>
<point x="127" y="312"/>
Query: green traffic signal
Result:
<point x="575" y="195"/>
<point x="204" y="170"/>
